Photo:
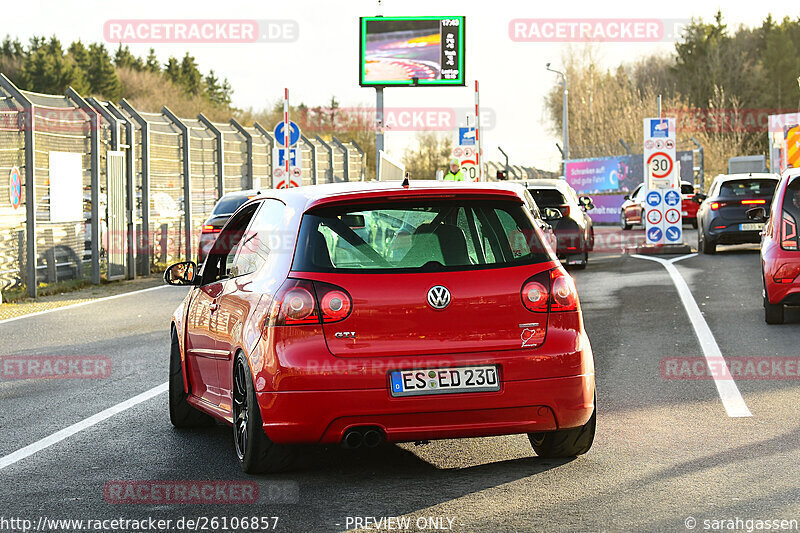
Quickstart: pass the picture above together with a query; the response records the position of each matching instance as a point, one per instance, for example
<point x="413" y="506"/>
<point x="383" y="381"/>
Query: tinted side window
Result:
<point x="791" y="200"/>
<point x="263" y="236"/>
<point x="221" y="257"/>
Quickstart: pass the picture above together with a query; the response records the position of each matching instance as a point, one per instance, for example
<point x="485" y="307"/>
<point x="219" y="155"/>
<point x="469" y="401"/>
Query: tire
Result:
<point x="257" y="454"/>
<point x="773" y="313"/>
<point x="623" y="221"/>
<point x="706" y="246"/>
<point x="181" y="413"/>
<point x="565" y="442"/>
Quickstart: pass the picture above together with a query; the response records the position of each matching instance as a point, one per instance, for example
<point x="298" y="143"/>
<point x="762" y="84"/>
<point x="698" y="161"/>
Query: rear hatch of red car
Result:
<point x="425" y="274"/>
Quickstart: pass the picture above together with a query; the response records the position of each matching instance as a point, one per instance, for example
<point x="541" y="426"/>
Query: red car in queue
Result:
<point x="780" y="247"/>
<point x="632" y="210"/>
<point x="362" y="313"/>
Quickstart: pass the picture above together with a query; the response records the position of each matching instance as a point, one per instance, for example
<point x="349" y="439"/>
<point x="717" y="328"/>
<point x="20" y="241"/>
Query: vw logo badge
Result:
<point x="439" y="297"/>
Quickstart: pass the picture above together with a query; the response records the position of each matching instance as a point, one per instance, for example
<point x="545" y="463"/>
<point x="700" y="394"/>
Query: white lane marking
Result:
<point x="726" y="386"/>
<point x="67" y="432"/>
<point x="70" y="306"/>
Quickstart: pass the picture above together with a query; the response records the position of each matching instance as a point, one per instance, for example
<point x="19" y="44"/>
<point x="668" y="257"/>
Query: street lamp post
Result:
<point x="564" y="118"/>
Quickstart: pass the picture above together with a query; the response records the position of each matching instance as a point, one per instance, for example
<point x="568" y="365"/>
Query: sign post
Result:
<point x="663" y="223"/>
<point x="287" y="158"/>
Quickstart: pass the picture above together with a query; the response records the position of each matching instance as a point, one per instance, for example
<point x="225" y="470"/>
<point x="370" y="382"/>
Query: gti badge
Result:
<point x="345" y="334"/>
<point x="438" y="297"/>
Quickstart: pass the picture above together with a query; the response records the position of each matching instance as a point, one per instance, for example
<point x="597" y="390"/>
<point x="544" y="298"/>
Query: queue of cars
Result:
<point x="361" y="313"/>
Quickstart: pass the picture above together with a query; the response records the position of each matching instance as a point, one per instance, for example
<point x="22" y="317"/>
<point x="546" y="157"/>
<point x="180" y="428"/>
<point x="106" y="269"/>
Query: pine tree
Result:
<point x="218" y="92"/>
<point x="80" y="55"/>
<point x="190" y="77"/>
<point x="151" y="63"/>
<point x="49" y="70"/>
<point x="172" y="71"/>
<point x="101" y="74"/>
<point x="123" y="58"/>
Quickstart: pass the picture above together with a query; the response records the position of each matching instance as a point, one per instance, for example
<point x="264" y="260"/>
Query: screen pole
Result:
<point x="477" y="131"/>
<point x="378" y="130"/>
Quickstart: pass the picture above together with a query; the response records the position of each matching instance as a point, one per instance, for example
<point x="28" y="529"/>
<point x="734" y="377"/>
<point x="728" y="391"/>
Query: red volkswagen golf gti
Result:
<point x="780" y="247"/>
<point x="362" y="313"/>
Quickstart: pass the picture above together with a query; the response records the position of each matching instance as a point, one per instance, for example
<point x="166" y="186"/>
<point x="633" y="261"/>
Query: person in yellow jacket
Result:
<point x="456" y="173"/>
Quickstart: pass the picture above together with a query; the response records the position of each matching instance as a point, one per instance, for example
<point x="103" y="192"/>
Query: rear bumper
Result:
<point x="733" y="235"/>
<point x="518" y="407"/>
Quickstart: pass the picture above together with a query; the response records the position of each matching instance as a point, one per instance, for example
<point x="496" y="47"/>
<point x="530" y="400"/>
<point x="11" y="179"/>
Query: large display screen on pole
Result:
<point x="397" y="51"/>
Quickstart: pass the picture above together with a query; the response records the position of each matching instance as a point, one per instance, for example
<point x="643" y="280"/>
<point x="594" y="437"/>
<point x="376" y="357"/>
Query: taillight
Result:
<point x="789" y="240"/>
<point x="564" y="295"/>
<point x="564" y="210"/>
<point x="787" y="273"/>
<point x="535" y="297"/>
<point x="208" y="228"/>
<point x="753" y="202"/>
<point x="335" y="303"/>
<point x="554" y="291"/>
<point x="714" y="206"/>
<point x="296" y="303"/>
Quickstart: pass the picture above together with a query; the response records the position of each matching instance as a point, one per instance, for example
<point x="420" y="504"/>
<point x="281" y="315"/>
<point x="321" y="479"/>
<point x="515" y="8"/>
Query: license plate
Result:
<point x="685" y="213"/>
<point x="443" y="380"/>
<point x="753" y="226"/>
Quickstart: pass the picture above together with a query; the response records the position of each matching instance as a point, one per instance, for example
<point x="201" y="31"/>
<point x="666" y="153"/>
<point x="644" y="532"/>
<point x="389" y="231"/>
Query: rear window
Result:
<point x="418" y="236"/>
<point x="747" y="188"/>
<point x="548" y="197"/>
<point x="791" y="199"/>
<point x="228" y="205"/>
<point x="687" y="188"/>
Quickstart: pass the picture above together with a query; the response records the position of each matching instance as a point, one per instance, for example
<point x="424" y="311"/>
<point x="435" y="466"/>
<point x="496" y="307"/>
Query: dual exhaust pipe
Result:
<point x="367" y="436"/>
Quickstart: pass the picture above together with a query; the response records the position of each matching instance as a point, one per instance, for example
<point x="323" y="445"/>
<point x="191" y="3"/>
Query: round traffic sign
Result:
<point x="673" y="233"/>
<point x="672" y="216"/>
<point x="672" y="198"/>
<point x="457" y="152"/>
<point x="654" y="234"/>
<point x="468" y="152"/>
<point x="660" y="165"/>
<point x="278" y="172"/>
<point x="296" y="172"/>
<point x="294" y="133"/>
<point x="653" y="198"/>
<point x="15" y="188"/>
<point x="286" y="184"/>
<point x="654" y="216"/>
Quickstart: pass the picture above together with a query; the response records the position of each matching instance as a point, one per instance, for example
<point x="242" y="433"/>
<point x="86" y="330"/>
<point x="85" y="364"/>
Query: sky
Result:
<point x="323" y="60"/>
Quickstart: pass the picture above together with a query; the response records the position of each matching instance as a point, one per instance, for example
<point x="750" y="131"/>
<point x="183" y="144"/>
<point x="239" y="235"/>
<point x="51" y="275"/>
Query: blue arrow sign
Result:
<point x="672" y="198"/>
<point x="654" y="234"/>
<point x="294" y="133"/>
<point x="653" y="198"/>
<point x="673" y="234"/>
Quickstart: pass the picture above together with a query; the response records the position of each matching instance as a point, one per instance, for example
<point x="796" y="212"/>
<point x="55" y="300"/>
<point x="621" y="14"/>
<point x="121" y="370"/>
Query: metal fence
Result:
<point x="149" y="179"/>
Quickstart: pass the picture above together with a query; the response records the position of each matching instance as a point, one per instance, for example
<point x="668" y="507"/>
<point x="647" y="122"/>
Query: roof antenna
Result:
<point x="406" y="181"/>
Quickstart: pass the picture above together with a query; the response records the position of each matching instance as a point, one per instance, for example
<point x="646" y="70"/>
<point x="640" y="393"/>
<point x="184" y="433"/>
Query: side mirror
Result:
<point x="757" y="214"/>
<point x="183" y="273"/>
<point x="586" y="203"/>
<point x="699" y="197"/>
<point x="626" y="197"/>
<point x="551" y="213"/>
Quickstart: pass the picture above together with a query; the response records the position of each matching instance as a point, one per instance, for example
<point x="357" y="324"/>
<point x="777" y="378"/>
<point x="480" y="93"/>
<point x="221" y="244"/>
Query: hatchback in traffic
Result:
<point x="223" y="209"/>
<point x="722" y="217"/>
<point x="780" y="247"/>
<point x="363" y="313"/>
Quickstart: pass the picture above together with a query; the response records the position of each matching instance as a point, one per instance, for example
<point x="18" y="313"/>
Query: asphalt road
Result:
<point x="665" y="448"/>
